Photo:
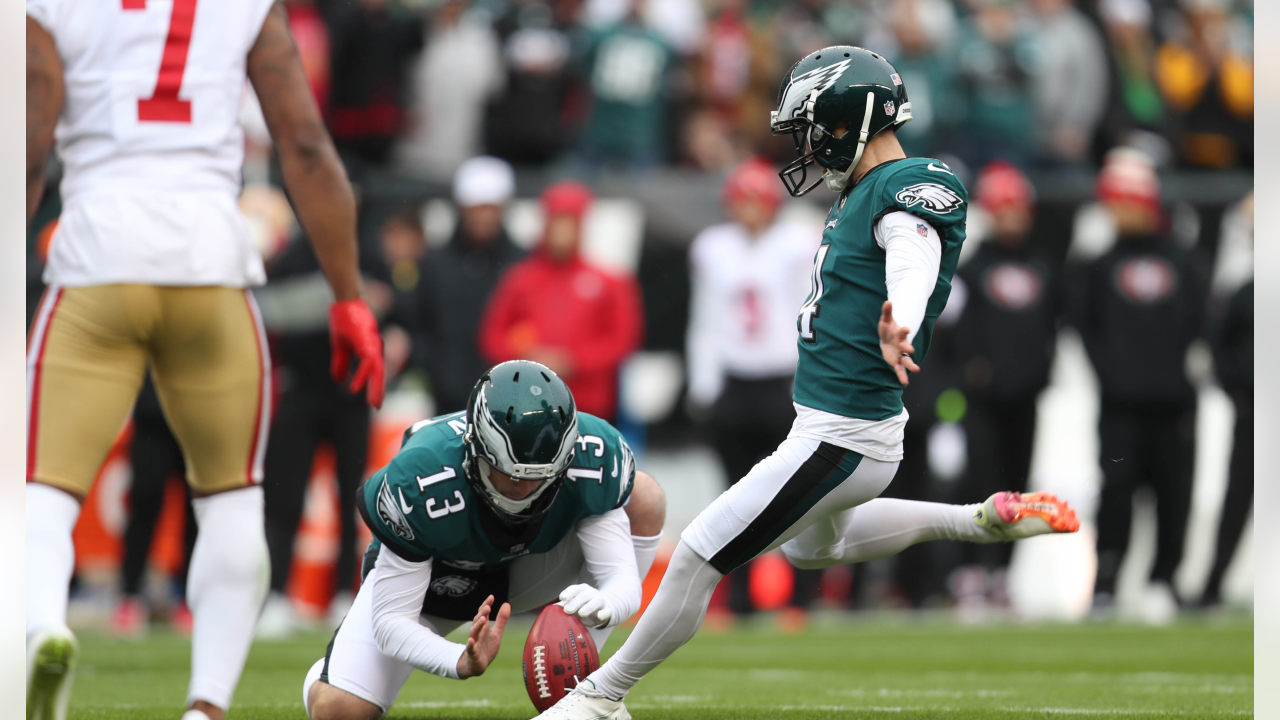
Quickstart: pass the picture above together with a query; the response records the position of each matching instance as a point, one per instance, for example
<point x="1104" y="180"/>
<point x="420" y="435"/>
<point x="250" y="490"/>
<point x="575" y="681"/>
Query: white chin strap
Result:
<point x="838" y="180"/>
<point x="502" y="501"/>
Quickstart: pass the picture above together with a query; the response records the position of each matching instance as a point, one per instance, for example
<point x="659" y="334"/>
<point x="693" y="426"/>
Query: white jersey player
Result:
<point x="150" y="266"/>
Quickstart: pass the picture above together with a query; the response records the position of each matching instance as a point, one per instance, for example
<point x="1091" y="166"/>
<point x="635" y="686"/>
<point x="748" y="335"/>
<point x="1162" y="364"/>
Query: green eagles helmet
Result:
<point x="831" y="85"/>
<point x="521" y="421"/>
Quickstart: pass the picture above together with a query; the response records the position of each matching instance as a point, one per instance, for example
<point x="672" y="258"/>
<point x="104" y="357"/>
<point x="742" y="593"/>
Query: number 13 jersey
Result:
<point x="422" y="507"/>
<point x="150" y="141"/>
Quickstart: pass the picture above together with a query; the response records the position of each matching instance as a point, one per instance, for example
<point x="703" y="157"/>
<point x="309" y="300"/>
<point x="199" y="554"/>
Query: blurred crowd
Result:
<point x="464" y="94"/>
<point x="419" y="86"/>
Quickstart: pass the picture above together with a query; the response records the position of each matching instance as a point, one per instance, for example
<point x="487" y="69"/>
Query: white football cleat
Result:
<point x="278" y="620"/>
<point x="51" y="666"/>
<point x="1014" y="516"/>
<point x="586" y="703"/>
<point x="1159" y="605"/>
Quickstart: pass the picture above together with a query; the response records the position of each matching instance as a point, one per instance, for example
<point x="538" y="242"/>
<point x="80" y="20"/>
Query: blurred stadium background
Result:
<point x="653" y="103"/>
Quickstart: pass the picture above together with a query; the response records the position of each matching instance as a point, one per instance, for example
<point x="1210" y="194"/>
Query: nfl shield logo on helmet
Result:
<point x="888" y="107"/>
<point x="924" y="231"/>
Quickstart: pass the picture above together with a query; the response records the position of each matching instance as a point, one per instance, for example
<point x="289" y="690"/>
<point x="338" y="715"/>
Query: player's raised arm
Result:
<point x="321" y="195"/>
<point x="44" y="105"/>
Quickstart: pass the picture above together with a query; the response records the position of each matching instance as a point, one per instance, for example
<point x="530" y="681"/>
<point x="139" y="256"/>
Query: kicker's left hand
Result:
<point x="588" y="604"/>
<point x="894" y="346"/>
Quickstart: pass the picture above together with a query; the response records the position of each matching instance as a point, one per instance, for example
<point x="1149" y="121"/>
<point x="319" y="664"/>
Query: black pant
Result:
<point x="155" y="457"/>
<point x="1000" y="436"/>
<point x="1239" y="497"/>
<point x="306" y="415"/>
<point x="750" y="420"/>
<point x="1152" y="446"/>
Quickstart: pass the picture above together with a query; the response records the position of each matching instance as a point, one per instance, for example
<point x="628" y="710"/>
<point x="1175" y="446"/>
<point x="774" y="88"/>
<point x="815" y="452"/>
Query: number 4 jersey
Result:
<point x="841" y="370"/>
<point x="422" y="507"/>
<point x="150" y="140"/>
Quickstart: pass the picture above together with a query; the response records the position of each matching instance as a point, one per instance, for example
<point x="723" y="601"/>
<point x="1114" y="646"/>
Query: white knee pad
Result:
<point x="313" y="676"/>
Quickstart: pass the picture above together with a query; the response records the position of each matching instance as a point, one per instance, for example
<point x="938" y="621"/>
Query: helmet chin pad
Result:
<point x="507" y="504"/>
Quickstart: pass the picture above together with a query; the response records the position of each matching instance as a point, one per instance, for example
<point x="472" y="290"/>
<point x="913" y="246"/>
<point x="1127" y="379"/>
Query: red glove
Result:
<point x="353" y="329"/>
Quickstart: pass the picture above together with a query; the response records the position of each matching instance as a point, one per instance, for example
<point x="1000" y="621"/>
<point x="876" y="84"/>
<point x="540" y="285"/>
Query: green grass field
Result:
<point x="896" y="667"/>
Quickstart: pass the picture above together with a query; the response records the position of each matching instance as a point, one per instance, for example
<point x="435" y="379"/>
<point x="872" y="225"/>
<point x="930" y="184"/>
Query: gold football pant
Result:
<point x="88" y="351"/>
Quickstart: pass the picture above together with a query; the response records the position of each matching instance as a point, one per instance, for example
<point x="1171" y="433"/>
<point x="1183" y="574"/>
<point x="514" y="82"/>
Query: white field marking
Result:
<point x="777" y="674"/>
<point x="1188" y="690"/>
<point x="1124" y="711"/>
<point x="673" y="699"/>
<point x="1047" y="710"/>
<point x="428" y="704"/>
<point x="893" y="692"/>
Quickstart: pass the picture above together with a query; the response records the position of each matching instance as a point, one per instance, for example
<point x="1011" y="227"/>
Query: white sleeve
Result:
<point x="42" y="11"/>
<point x="911" y="263"/>
<point x="706" y="377"/>
<point x="399" y="587"/>
<point x="611" y="559"/>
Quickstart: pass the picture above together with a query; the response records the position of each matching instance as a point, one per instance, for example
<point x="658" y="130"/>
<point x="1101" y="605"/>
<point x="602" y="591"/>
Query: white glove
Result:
<point x="588" y="604"/>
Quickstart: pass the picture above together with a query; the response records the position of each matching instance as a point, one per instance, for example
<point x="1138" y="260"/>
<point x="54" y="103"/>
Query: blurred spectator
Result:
<point x="527" y="122"/>
<point x="1070" y="87"/>
<point x="311" y="408"/>
<point x="1233" y="361"/>
<point x="927" y="71"/>
<point x="750" y="277"/>
<point x="1138" y="308"/>
<point x="1207" y="83"/>
<point x="801" y="28"/>
<point x="996" y="61"/>
<point x="373" y="41"/>
<point x="155" y="458"/>
<point x="1134" y="104"/>
<point x="1004" y="343"/>
<point x="444" y="311"/>
<point x="396" y="275"/>
<point x="312" y="38"/>
<point x="680" y="23"/>
<point x="627" y="66"/>
<point x="560" y="310"/>
<point x="452" y="81"/>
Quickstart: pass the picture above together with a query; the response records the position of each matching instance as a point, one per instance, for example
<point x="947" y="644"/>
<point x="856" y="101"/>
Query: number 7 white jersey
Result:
<point x="150" y="142"/>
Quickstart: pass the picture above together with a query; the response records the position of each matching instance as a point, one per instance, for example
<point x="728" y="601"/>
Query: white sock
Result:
<point x="226" y="586"/>
<point x="313" y="676"/>
<point x="646" y="551"/>
<point x="671" y="620"/>
<point x="880" y="528"/>
<point x="51" y="556"/>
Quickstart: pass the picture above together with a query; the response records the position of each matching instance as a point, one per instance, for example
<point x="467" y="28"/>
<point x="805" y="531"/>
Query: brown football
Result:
<point x="558" y="654"/>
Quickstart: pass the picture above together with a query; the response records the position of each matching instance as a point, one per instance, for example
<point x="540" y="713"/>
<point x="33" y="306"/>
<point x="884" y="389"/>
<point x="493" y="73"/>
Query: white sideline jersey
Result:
<point x="746" y="293"/>
<point x="150" y="142"/>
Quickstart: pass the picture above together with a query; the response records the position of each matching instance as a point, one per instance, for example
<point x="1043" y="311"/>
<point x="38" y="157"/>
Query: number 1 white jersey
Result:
<point x="150" y="141"/>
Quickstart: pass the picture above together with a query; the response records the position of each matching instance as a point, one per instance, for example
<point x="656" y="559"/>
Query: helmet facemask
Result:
<point x="816" y="144"/>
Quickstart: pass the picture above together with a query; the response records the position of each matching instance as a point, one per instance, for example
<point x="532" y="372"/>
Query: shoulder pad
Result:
<point x="926" y="188"/>
<point x="453" y="425"/>
<point x="604" y="468"/>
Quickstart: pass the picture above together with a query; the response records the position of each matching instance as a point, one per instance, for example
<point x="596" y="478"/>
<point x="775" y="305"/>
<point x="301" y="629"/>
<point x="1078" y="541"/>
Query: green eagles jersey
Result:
<point x="422" y="507"/>
<point x="841" y="370"/>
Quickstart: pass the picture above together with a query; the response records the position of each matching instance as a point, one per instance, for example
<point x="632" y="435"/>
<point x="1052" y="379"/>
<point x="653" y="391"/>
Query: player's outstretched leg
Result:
<point x="886" y="526"/>
<point x="226" y="586"/>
